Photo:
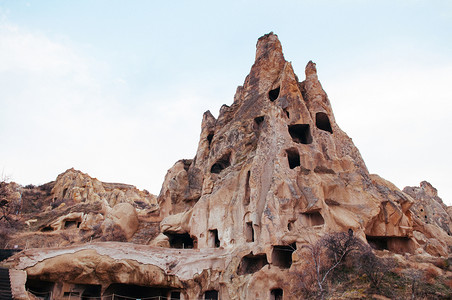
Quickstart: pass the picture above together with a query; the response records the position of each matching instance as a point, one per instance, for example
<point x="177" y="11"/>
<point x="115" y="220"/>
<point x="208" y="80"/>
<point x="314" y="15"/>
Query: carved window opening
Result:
<point x="314" y="218"/>
<point x="273" y="94"/>
<point x="181" y="240"/>
<point x="252" y="263"/>
<point x="249" y="232"/>
<point x="323" y="122"/>
<point x="209" y="138"/>
<point x="258" y="122"/>
<point x="276" y="294"/>
<point x="282" y="255"/>
<point x="246" y="201"/>
<point x="293" y="157"/>
<point x="214" y="241"/>
<point x="211" y="295"/>
<point x="174" y="295"/>
<point x="221" y="164"/>
<point x="128" y="291"/>
<point x="300" y="133"/>
<point x="72" y="224"/>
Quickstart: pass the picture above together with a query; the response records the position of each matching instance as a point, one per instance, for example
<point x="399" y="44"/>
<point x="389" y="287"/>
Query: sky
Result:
<point x="117" y="89"/>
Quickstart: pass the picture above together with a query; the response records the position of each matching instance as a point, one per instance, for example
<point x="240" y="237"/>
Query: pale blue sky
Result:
<point x="117" y="88"/>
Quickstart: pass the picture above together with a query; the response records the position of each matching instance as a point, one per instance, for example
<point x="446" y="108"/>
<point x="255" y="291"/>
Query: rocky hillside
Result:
<point x="277" y="203"/>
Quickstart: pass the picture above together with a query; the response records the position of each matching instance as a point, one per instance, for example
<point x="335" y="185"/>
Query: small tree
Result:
<point x="374" y="267"/>
<point x="5" y="193"/>
<point x="328" y="253"/>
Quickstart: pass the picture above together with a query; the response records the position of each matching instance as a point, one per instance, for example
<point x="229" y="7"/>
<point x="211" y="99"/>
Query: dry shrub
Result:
<point x="4" y="236"/>
<point x="430" y="275"/>
<point x="374" y="267"/>
<point x="448" y="283"/>
<point x="441" y="263"/>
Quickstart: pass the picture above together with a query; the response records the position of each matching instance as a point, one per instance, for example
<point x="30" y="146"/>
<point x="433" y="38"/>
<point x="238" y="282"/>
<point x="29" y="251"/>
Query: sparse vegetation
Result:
<point x="339" y="266"/>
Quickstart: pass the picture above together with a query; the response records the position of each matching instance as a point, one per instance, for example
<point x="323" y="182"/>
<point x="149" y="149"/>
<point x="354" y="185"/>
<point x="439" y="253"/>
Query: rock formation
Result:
<point x="272" y="173"/>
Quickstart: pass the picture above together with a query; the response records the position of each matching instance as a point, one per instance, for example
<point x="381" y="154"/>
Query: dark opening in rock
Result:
<point x="91" y="291"/>
<point x="180" y="240"/>
<point x="311" y="219"/>
<point x="211" y="295"/>
<point x="47" y="229"/>
<point x="249" y="232"/>
<point x="221" y="164"/>
<point x="323" y="122"/>
<point x="209" y="138"/>
<point x="246" y="201"/>
<point x="276" y="294"/>
<point x="300" y="133"/>
<point x="287" y="113"/>
<point x="175" y="295"/>
<point x="377" y="243"/>
<point x="214" y="241"/>
<point x="64" y="193"/>
<point x="290" y="225"/>
<point x="128" y="291"/>
<point x="41" y="289"/>
<point x="282" y="255"/>
<point x="259" y="120"/>
<point x="273" y="94"/>
<point x="252" y="263"/>
<point x="72" y="224"/>
<point x="293" y="157"/>
<point x="400" y="245"/>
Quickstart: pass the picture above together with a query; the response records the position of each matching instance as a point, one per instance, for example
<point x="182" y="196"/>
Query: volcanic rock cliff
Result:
<point x="273" y="173"/>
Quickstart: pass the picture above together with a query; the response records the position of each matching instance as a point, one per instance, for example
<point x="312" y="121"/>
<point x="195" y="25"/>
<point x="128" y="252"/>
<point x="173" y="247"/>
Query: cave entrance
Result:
<point x="310" y="219"/>
<point x="300" y="133"/>
<point x="221" y="164"/>
<point x="249" y="232"/>
<point x="211" y="295"/>
<point x="47" y="228"/>
<point x="174" y="295"/>
<point x="180" y="240"/>
<point x="282" y="255"/>
<point x="293" y="157"/>
<point x="40" y="288"/>
<point x="214" y="241"/>
<point x="377" y="243"/>
<point x="123" y="291"/>
<point x="400" y="245"/>
<point x="276" y="294"/>
<point x="274" y="94"/>
<point x="252" y="263"/>
<point x="91" y="291"/>
<point x="323" y="122"/>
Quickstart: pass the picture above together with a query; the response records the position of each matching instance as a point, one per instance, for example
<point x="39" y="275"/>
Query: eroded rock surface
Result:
<point x="271" y="174"/>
